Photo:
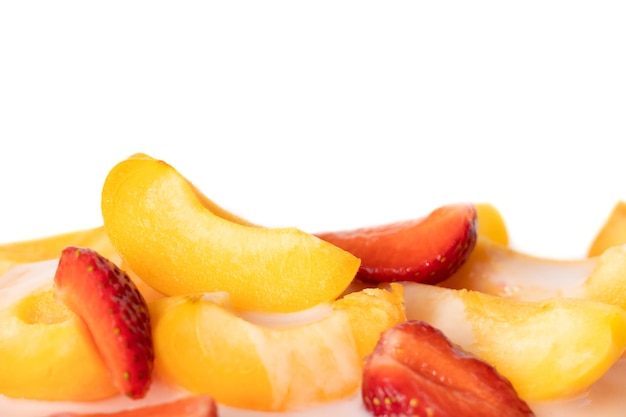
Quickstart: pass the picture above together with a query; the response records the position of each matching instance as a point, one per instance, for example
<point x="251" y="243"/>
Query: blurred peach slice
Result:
<point x="612" y="232"/>
<point x="50" y="247"/>
<point x="491" y="223"/>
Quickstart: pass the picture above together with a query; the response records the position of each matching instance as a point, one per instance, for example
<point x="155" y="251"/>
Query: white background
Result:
<point x="321" y="115"/>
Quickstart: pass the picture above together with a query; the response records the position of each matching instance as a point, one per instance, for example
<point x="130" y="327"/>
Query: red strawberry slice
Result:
<point x="115" y="313"/>
<point x="193" y="406"/>
<point x="426" y="250"/>
<point x="415" y="370"/>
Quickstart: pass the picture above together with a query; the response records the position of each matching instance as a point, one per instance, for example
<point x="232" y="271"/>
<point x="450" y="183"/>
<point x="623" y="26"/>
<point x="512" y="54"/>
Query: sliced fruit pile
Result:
<point x="433" y="316"/>
<point x="543" y="345"/>
<point x="265" y="273"/>
<point x="548" y="349"/>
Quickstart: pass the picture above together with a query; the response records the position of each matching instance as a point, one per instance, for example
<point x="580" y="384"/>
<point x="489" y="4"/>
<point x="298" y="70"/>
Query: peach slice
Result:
<point x="45" y="350"/>
<point x="612" y="232"/>
<point x="50" y="247"/>
<point x="495" y="269"/>
<point x="548" y="349"/>
<point x="607" y="282"/>
<point x="498" y="270"/>
<point x="180" y="242"/>
<point x="270" y="362"/>
<point x="491" y="223"/>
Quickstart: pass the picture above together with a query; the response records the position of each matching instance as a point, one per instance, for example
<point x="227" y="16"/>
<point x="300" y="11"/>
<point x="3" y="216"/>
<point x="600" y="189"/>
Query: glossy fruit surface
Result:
<point x="114" y="312"/>
<point x="45" y="349"/>
<point x="180" y="242"/>
<point x="273" y="362"/>
<point x="424" y="250"/>
<point x="416" y="371"/>
<point x="548" y="349"/>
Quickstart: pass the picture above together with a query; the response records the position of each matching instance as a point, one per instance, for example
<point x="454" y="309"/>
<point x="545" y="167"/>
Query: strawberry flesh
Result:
<point x="415" y="370"/>
<point x="192" y="406"/>
<point x="426" y="250"/>
<point x="115" y="314"/>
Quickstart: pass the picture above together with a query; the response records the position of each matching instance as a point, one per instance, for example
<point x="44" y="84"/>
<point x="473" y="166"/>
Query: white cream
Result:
<point x="288" y="319"/>
<point x="22" y="280"/>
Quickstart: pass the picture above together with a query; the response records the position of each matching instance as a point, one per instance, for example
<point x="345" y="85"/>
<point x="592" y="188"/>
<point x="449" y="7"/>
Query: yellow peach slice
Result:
<point x="50" y="247"/>
<point x="45" y="350"/>
<point x="495" y="269"/>
<point x="612" y="232"/>
<point x="548" y="349"/>
<point x="498" y="270"/>
<point x="270" y="362"/>
<point x="607" y="282"/>
<point x="179" y="242"/>
<point x="491" y="223"/>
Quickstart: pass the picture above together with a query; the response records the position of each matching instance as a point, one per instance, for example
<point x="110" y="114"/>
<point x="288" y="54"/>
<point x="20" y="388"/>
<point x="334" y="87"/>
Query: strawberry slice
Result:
<point x="115" y="313"/>
<point x="426" y="250"/>
<point x="193" y="406"/>
<point x="414" y="370"/>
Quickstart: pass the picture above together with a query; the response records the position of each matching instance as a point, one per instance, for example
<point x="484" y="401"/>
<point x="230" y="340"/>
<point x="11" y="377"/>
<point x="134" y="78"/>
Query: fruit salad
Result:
<point x="174" y="306"/>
